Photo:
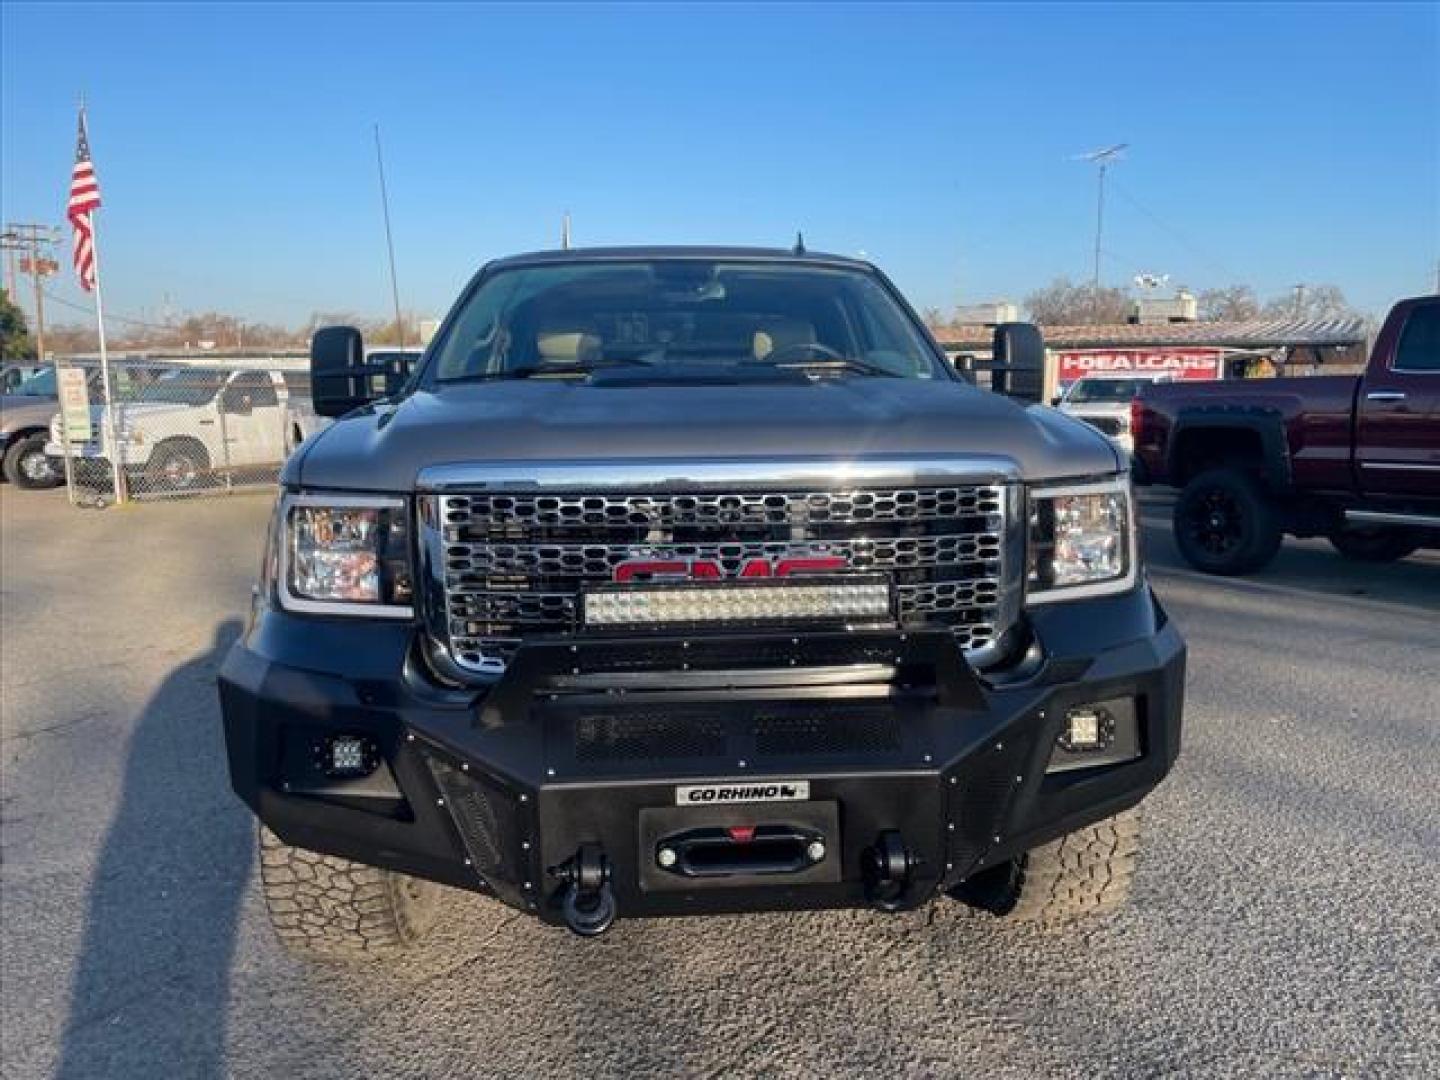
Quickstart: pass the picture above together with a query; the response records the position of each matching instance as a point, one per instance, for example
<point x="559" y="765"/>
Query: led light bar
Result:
<point x="782" y="601"/>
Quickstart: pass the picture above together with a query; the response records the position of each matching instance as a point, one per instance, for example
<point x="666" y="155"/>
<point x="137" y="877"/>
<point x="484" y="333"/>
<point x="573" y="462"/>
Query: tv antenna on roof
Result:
<point x="1102" y="158"/>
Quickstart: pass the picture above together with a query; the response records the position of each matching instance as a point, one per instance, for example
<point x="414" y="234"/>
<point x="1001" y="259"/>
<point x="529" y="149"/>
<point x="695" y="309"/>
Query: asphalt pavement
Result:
<point x="1286" y="918"/>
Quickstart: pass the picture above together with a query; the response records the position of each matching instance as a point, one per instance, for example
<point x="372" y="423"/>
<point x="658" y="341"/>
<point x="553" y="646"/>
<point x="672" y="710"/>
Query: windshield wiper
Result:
<point x="530" y="371"/>
<point x="859" y="367"/>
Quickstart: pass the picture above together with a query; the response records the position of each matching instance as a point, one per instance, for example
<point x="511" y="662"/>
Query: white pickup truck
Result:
<point x="189" y="424"/>
<point x="1103" y="402"/>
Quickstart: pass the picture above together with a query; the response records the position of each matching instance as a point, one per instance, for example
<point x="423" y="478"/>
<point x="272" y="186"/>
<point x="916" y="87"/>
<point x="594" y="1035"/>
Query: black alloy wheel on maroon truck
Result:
<point x="1225" y="523"/>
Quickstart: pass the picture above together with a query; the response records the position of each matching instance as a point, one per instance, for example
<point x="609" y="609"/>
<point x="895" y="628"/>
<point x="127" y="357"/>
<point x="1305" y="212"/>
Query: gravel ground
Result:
<point x="1285" y="919"/>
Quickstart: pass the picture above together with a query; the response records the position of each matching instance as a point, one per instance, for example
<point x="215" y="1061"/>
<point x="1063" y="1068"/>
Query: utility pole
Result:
<point x="1102" y="158"/>
<point x="33" y="242"/>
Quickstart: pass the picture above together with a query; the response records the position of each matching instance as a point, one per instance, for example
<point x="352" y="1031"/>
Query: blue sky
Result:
<point x="1270" y="144"/>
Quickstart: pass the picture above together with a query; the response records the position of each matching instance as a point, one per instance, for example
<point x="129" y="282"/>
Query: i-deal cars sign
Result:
<point x="1179" y="363"/>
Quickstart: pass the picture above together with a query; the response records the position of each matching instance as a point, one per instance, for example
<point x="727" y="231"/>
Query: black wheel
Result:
<point x="1225" y="523"/>
<point x="178" y="465"/>
<point x="332" y="908"/>
<point x="1375" y="545"/>
<point x="27" y="466"/>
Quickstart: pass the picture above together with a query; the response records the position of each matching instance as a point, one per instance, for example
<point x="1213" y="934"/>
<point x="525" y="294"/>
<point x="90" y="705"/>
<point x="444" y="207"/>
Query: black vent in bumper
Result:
<point x="487" y="818"/>
<point x="647" y="736"/>
<point x="824" y="732"/>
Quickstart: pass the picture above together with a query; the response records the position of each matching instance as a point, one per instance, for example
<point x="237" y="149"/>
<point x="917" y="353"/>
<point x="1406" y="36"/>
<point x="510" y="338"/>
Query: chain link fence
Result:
<point x="179" y="427"/>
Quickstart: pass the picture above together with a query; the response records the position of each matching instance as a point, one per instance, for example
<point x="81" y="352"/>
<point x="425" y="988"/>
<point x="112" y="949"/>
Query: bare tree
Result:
<point x="1064" y="303"/>
<point x="1312" y="302"/>
<point x="71" y="338"/>
<point x="1230" y="303"/>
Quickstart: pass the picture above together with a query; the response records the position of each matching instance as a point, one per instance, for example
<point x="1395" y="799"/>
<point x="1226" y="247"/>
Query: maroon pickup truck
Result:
<point x="1352" y="458"/>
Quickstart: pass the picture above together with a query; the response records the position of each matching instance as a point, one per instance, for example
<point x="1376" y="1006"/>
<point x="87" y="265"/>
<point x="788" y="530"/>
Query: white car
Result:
<point x="1103" y="402"/>
<point x="190" y="423"/>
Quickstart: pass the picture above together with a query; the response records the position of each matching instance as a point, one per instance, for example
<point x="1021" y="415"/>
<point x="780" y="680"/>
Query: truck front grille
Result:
<point x="514" y="565"/>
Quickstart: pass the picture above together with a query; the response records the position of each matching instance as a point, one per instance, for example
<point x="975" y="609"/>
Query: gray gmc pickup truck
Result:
<point x="674" y="581"/>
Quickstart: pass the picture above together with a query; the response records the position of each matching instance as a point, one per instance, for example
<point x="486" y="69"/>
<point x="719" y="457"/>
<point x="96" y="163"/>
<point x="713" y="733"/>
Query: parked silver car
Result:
<point x="25" y="414"/>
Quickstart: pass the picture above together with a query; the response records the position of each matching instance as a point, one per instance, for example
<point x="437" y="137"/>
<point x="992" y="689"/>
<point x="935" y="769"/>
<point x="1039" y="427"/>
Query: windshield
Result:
<point x="183" y="386"/>
<point x="1106" y="391"/>
<point x="41" y="384"/>
<point x="687" y="317"/>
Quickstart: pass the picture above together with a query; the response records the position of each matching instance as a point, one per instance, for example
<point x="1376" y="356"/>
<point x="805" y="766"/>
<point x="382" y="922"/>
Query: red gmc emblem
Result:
<point x="714" y="570"/>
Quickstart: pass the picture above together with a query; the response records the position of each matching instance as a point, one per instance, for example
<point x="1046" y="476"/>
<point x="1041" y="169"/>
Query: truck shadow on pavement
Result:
<point x="151" y="984"/>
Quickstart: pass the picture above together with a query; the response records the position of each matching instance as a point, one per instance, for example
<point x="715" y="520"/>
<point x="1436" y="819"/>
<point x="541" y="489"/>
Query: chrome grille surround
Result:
<point x="507" y="558"/>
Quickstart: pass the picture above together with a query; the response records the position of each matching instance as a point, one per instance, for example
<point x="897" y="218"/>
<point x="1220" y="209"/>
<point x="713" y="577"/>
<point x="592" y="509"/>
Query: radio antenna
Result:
<point x="1103" y="159"/>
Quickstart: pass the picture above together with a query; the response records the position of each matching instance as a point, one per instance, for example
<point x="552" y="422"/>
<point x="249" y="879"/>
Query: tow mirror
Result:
<point x="1019" y="362"/>
<point x="339" y="381"/>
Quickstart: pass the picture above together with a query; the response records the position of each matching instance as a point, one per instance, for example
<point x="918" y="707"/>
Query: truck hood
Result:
<point x="384" y="447"/>
<point x="20" y="411"/>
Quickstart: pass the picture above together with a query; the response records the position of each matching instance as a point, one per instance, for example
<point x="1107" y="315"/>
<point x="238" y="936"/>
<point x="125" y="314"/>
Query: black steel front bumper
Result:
<point x="584" y="743"/>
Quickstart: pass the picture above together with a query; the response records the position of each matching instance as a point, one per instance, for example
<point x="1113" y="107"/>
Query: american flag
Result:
<point x="84" y="200"/>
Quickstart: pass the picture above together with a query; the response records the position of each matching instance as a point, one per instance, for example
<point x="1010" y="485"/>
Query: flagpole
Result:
<point x="116" y="472"/>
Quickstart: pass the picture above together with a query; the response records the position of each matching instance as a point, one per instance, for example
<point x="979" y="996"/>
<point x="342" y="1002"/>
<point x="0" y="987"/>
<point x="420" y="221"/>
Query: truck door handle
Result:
<point x="1385" y="395"/>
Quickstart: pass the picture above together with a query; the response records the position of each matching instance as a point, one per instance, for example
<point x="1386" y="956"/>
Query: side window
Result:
<point x="1419" y="348"/>
<point x="254" y="385"/>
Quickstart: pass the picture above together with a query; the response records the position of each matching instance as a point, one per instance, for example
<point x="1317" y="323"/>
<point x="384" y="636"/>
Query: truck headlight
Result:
<point x="344" y="555"/>
<point x="1082" y="541"/>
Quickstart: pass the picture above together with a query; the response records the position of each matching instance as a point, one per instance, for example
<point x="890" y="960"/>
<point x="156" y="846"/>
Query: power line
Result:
<point x="389" y="239"/>
<point x="1174" y="233"/>
<point x="109" y="315"/>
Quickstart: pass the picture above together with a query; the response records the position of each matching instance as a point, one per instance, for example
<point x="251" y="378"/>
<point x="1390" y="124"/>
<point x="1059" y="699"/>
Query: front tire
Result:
<point x="1084" y="874"/>
<point x="1225" y="523"/>
<point x="26" y="465"/>
<point x="1375" y="545"/>
<point x="177" y="465"/>
<point x="330" y="908"/>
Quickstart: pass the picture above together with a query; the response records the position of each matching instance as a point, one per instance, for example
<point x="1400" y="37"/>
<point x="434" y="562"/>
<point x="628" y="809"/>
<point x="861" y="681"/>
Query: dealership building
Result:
<point x="1163" y="340"/>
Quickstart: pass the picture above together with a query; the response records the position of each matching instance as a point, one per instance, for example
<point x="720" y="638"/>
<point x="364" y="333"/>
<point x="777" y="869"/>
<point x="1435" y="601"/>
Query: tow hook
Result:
<point x="587" y="901"/>
<point x="886" y="868"/>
